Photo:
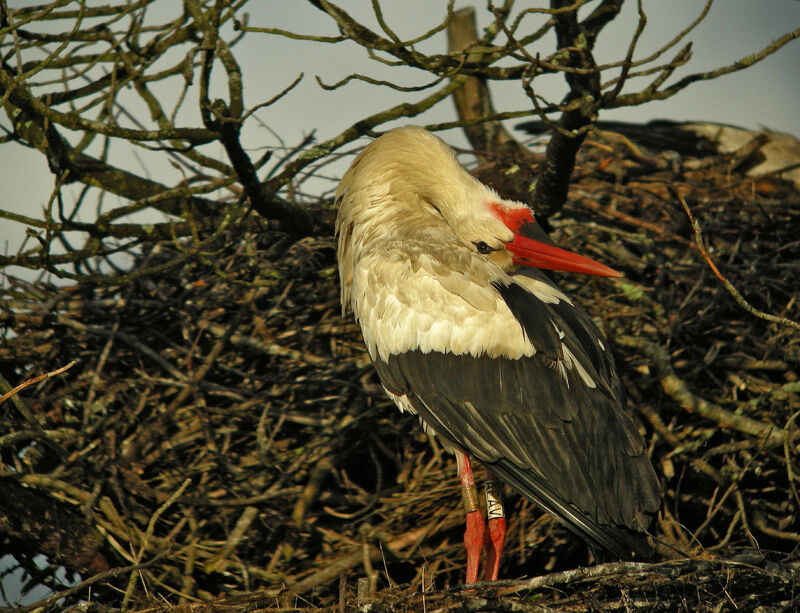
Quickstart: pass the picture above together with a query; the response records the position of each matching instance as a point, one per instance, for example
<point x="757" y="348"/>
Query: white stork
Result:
<point x="465" y="331"/>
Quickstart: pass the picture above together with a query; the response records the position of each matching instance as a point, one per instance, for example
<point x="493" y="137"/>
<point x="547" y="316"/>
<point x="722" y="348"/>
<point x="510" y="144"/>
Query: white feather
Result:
<point x="402" y="304"/>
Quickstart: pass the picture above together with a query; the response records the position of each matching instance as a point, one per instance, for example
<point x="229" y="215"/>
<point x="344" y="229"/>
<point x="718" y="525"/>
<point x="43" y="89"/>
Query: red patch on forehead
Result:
<point x="513" y="218"/>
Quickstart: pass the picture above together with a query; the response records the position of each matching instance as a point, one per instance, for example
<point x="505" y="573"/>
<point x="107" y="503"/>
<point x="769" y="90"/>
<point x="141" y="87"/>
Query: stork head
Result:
<point x="408" y="185"/>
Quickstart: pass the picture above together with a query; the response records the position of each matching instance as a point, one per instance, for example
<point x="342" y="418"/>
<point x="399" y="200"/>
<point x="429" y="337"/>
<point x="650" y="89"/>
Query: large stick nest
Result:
<point x="224" y="431"/>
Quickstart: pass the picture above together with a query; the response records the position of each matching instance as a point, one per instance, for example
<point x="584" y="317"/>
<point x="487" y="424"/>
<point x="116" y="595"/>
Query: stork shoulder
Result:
<point x="534" y="298"/>
<point x="408" y="299"/>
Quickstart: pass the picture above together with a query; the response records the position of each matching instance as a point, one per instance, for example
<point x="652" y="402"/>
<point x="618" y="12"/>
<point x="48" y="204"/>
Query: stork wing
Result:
<point x="552" y="425"/>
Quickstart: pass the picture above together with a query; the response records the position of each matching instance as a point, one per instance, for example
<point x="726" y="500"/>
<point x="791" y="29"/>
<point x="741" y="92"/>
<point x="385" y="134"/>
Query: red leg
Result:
<point x="474" y="534"/>
<point x="495" y="536"/>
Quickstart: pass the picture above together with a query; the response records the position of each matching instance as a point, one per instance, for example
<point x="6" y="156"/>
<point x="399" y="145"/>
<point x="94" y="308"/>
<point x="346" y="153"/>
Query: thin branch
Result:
<point x="361" y="128"/>
<point x="771" y="435"/>
<point x="36" y="379"/>
<point x="473" y="101"/>
<point x="46" y="603"/>
<point x="737" y="296"/>
<point x="20" y="97"/>
<point x="651" y="93"/>
<point x="148" y="534"/>
<point x="371" y="81"/>
<point x="626" y="65"/>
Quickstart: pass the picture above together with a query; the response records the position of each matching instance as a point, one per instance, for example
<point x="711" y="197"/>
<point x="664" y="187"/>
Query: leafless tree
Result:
<point x="77" y="77"/>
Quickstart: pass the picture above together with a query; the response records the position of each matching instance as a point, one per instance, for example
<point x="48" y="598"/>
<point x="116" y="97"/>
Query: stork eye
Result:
<point x="483" y="247"/>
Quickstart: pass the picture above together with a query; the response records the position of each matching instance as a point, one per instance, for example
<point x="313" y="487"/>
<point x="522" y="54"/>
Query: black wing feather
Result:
<point x="568" y="446"/>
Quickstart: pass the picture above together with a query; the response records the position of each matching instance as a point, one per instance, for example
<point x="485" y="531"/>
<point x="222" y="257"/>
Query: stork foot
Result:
<point x="495" y="535"/>
<point x="476" y="527"/>
<point x="494" y="538"/>
<point x="474" y="542"/>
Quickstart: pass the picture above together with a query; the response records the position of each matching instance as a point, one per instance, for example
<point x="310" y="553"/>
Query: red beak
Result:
<point x="536" y="254"/>
<point x="541" y="252"/>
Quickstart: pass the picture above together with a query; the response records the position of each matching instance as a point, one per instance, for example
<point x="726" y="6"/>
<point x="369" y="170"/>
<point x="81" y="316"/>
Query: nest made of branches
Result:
<point x="222" y="432"/>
